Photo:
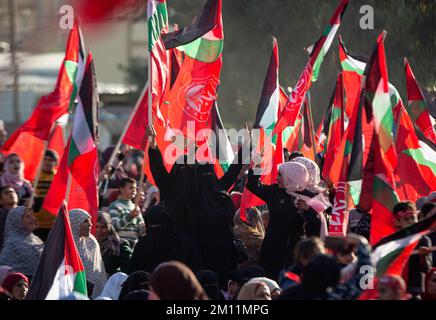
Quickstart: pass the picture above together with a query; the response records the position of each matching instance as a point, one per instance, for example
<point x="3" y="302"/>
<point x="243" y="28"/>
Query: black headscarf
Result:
<point x="210" y="283"/>
<point x="138" y="280"/>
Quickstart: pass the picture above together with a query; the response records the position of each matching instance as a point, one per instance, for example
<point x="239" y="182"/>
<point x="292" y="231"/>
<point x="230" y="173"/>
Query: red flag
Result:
<point x="417" y="105"/>
<point x="415" y="173"/>
<point x="28" y="140"/>
<point x="80" y="160"/>
<point x="311" y="71"/>
<point x="193" y="94"/>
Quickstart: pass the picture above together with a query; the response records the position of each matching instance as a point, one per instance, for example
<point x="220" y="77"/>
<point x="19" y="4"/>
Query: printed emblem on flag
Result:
<point x="297" y="95"/>
<point x="199" y="95"/>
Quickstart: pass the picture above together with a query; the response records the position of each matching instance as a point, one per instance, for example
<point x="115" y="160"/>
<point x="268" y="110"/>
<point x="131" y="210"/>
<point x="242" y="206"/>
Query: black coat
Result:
<point x="286" y="226"/>
<point x="200" y="207"/>
<point x="161" y="243"/>
<point x="120" y="263"/>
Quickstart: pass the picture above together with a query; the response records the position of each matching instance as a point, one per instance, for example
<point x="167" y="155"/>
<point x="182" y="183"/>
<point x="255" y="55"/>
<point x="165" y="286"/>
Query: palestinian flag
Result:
<point x="203" y="24"/>
<point x="268" y="108"/>
<point x="29" y="139"/>
<point x="60" y="270"/>
<point x="79" y="164"/>
<point x="382" y="158"/>
<point x="336" y="128"/>
<point x="418" y="108"/>
<point x="416" y="172"/>
<point x="311" y="71"/>
<point x="391" y="253"/>
<point x="191" y="99"/>
<point x="353" y="68"/>
<point x="224" y="154"/>
<point x="159" y="57"/>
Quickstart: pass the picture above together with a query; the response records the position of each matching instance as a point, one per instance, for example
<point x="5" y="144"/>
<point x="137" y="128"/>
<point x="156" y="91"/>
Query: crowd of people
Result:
<point x="184" y="239"/>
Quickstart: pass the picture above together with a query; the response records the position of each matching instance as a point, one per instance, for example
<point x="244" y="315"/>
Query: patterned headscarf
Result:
<point x="89" y="251"/>
<point x="14" y="180"/>
<point x="21" y="248"/>
<point x="295" y="176"/>
<point x="111" y="244"/>
<point x="314" y="174"/>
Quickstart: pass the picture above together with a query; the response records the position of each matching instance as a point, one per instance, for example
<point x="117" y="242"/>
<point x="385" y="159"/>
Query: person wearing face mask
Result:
<point x="21" y="248"/>
<point x="199" y="204"/>
<point x="161" y="243"/>
<point x="13" y="176"/>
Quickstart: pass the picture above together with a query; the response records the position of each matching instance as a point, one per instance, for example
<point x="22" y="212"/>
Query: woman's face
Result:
<point x="101" y="231"/>
<point x="14" y="165"/>
<point x="85" y="228"/>
<point x="19" y="291"/>
<point x="432" y="284"/>
<point x="29" y="221"/>
<point x="280" y="181"/>
<point x="387" y="293"/>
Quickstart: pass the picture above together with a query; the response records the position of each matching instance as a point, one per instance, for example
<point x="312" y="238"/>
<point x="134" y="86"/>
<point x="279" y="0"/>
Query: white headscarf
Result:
<point x="295" y="176"/>
<point x="113" y="287"/>
<point x="314" y="174"/>
<point x="89" y="251"/>
<point x="21" y="248"/>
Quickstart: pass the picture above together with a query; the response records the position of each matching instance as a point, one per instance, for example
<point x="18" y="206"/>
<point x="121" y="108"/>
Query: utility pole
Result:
<point x="14" y="65"/>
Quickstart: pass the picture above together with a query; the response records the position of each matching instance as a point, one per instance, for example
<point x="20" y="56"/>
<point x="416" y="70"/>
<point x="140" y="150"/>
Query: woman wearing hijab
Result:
<point x="254" y="290"/>
<point x="210" y="283"/>
<point x="138" y="280"/>
<point x="162" y="244"/>
<point x="13" y="176"/>
<point x="21" y="248"/>
<point x="272" y="285"/>
<point x="113" y="286"/>
<point x="288" y="216"/>
<point x="315" y="198"/>
<point x="199" y="205"/>
<point x="173" y="280"/>
<point x="16" y="285"/>
<point x="116" y="252"/>
<point x="89" y="249"/>
<point x="251" y="233"/>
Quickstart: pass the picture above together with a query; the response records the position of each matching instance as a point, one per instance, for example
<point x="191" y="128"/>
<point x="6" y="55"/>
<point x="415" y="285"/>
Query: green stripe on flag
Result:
<point x="416" y="108"/>
<point x="419" y="158"/>
<point x="384" y="263"/>
<point x="203" y="49"/>
<point x="80" y="283"/>
<point x="156" y="23"/>
<point x="73" y="153"/>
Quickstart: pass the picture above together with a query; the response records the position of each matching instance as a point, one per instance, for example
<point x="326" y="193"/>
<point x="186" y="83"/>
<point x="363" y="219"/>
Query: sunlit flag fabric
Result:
<point x="391" y="253"/>
<point x="28" y="140"/>
<point x="418" y="108"/>
<point x="378" y="105"/>
<point x="194" y="92"/>
<point x="60" y="270"/>
<point x="311" y="71"/>
<point x="271" y="102"/>
<point x="80" y="157"/>
<point x="416" y="171"/>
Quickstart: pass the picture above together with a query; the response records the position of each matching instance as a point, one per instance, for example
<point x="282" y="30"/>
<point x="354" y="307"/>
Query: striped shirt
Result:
<point x="127" y="228"/>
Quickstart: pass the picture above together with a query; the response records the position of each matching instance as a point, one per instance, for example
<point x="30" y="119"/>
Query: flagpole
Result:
<point x="39" y="169"/>
<point x="67" y="193"/>
<point x="129" y="121"/>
